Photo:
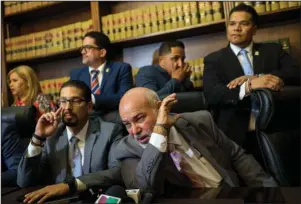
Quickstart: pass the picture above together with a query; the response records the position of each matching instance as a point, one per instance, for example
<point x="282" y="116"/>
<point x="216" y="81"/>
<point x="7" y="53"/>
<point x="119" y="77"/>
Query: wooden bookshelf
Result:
<point x="44" y="11"/>
<point x="71" y="53"/>
<point x="286" y="14"/>
<point x="188" y="31"/>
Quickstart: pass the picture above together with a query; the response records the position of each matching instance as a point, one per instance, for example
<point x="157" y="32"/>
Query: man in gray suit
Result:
<point x="186" y="150"/>
<point x="64" y="154"/>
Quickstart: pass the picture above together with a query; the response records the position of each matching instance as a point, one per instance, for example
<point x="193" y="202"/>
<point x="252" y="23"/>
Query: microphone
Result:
<point x="113" y="195"/>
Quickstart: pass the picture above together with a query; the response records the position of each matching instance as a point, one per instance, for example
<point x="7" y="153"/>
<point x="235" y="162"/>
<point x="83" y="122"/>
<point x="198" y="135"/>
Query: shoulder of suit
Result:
<point x="268" y="46"/>
<point x="216" y="54"/>
<point x="118" y="64"/>
<point x="197" y="117"/>
<point x="148" y="69"/>
<point x="80" y="69"/>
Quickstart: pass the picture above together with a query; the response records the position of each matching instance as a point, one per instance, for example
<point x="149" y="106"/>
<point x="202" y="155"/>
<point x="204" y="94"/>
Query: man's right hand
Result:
<point x="48" y="123"/>
<point x="182" y="72"/>
<point x="267" y="81"/>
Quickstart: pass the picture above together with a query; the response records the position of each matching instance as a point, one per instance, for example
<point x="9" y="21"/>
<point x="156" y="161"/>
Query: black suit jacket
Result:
<point x="223" y="66"/>
<point x="156" y="78"/>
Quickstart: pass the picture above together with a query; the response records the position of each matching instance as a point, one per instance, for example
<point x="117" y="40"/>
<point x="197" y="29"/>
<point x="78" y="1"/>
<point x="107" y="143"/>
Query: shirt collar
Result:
<point x="100" y="68"/>
<point x="82" y="133"/>
<point x="237" y="49"/>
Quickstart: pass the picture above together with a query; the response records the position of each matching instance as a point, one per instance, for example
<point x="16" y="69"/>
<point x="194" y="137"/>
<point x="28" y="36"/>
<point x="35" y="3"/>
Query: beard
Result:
<point x="70" y="122"/>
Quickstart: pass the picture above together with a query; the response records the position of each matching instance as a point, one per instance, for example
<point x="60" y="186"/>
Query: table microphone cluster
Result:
<point x="119" y="195"/>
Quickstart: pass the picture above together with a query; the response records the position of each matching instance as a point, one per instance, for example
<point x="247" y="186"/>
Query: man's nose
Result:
<point x="136" y="129"/>
<point x="180" y="63"/>
<point x="237" y="27"/>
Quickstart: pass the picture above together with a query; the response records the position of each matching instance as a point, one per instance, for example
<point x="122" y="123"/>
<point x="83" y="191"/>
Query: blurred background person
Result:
<point x="26" y="90"/>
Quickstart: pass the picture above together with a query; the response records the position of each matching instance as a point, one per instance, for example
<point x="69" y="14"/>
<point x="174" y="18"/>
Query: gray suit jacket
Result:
<point x="52" y="165"/>
<point x="148" y="168"/>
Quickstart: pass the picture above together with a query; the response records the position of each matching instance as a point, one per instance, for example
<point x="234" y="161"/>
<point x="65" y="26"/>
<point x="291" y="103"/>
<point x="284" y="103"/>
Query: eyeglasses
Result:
<point x="86" y="48"/>
<point x="73" y="101"/>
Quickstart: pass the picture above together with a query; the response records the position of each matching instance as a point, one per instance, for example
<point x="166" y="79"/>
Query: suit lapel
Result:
<point x="106" y="72"/>
<point x="232" y="64"/>
<point x="86" y="77"/>
<point x="92" y="132"/>
<point x="190" y="134"/>
<point x="62" y="147"/>
<point x="258" y="60"/>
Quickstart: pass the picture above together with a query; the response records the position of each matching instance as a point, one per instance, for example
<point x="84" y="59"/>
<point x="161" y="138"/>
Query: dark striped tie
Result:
<point x="95" y="88"/>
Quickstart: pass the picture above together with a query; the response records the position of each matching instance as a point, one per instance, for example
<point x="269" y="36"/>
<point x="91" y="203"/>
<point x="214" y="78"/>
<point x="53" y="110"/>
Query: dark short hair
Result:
<point x="86" y="92"/>
<point x="101" y="40"/>
<point x="165" y="47"/>
<point x="248" y="9"/>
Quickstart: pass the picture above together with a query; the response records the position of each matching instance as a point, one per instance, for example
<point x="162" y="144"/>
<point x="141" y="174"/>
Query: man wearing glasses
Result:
<point x="67" y="146"/>
<point x="107" y="80"/>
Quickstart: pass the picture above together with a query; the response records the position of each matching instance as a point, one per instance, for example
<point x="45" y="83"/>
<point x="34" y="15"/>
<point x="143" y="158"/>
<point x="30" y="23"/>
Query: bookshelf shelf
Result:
<point x="292" y="13"/>
<point x="182" y="32"/>
<point x="48" y="57"/>
<point x="44" y="11"/>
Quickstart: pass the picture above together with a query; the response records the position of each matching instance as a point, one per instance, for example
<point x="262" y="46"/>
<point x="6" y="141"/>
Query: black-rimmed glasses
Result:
<point x="73" y="101"/>
<point x="86" y="48"/>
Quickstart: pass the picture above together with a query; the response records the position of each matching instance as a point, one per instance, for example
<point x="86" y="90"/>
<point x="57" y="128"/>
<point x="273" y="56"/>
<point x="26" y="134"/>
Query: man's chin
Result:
<point x="70" y="123"/>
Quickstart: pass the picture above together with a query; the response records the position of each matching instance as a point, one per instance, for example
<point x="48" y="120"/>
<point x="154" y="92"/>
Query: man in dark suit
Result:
<point x="231" y="73"/>
<point x="69" y="151"/>
<point x="11" y="153"/>
<point x="107" y="80"/>
<point x="186" y="150"/>
<point x="170" y="75"/>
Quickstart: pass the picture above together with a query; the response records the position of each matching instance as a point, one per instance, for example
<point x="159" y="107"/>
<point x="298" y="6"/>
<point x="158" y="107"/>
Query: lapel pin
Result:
<point x="108" y="69"/>
<point x="256" y="53"/>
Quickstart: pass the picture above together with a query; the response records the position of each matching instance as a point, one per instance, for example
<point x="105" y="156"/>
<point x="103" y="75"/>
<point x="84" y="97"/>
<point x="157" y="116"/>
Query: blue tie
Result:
<point x="248" y="70"/>
<point x="76" y="158"/>
<point x="246" y="64"/>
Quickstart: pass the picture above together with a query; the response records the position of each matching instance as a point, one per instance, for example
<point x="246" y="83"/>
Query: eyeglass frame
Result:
<point x="71" y="101"/>
<point x="88" y="47"/>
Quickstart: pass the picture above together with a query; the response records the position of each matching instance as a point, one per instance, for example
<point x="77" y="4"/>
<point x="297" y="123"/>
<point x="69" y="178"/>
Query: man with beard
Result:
<point x="165" y="151"/>
<point x="107" y="79"/>
<point x="65" y="153"/>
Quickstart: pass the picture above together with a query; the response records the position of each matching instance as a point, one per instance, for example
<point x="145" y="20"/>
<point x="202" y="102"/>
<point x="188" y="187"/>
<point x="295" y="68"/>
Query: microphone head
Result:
<point x="116" y="191"/>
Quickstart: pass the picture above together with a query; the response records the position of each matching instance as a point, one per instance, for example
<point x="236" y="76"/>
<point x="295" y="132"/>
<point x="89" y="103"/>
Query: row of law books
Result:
<point x="47" y="42"/>
<point x="266" y="6"/>
<point x="197" y="67"/>
<point x="52" y="87"/>
<point x="160" y="17"/>
<point x="12" y="7"/>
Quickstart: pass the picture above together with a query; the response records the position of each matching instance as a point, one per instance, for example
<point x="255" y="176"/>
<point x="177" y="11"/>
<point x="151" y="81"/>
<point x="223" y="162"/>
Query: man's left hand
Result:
<point x="239" y="81"/>
<point x="40" y="196"/>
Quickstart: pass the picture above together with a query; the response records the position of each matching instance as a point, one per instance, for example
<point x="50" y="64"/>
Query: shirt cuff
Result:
<point x="33" y="151"/>
<point x="242" y="91"/>
<point x="93" y="99"/>
<point x="80" y="186"/>
<point x="159" y="141"/>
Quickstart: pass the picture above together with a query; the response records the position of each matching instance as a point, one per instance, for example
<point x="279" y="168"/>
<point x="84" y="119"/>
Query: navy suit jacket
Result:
<point x="12" y="150"/>
<point x="156" y="78"/>
<point x="117" y="79"/>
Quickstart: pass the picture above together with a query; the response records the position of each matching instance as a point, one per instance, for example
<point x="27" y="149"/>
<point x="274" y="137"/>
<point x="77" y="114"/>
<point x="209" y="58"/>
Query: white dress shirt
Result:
<point x="236" y="50"/>
<point x="36" y="150"/>
<point x="100" y="75"/>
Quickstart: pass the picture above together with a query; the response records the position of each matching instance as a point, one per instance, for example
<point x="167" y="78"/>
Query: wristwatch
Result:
<point x="72" y="184"/>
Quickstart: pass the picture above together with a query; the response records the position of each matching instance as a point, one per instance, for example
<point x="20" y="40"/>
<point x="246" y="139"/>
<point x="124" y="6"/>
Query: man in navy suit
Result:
<point x="231" y="73"/>
<point x="171" y="75"/>
<point x="108" y="80"/>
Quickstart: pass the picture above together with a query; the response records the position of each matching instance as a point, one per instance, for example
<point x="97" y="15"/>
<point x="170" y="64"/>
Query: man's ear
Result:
<point x="159" y="103"/>
<point x="254" y="30"/>
<point x="90" y="106"/>
<point x="103" y="53"/>
<point x="161" y="61"/>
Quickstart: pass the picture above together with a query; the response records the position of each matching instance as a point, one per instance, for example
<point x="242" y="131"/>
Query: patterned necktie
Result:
<point x="76" y="166"/>
<point x="183" y="166"/>
<point x="95" y="88"/>
<point x="246" y="64"/>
